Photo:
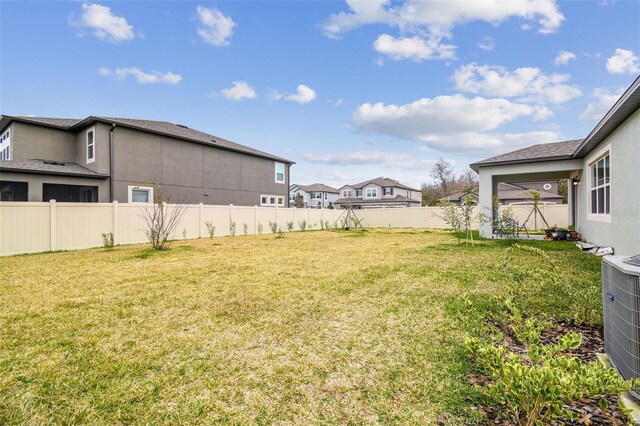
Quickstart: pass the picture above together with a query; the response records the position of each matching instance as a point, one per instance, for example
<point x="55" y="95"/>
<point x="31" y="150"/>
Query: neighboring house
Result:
<point x="378" y="192"/>
<point x="315" y="196"/>
<point x="511" y="193"/>
<point x="604" y="190"/>
<point x="103" y="159"/>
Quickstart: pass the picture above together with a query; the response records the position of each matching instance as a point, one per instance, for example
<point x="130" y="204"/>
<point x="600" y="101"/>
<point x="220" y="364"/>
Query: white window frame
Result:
<point x="149" y="189"/>
<point x="278" y="200"/>
<point x="284" y="172"/>
<point x="358" y="193"/>
<point x="93" y="144"/>
<point x="374" y="192"/>
<point x="346" y="193"/>
<point x="384" y="191"/>
<point x="592" y="161"/>
<point x="316" y="195"/>
<point x="5" y="145"/>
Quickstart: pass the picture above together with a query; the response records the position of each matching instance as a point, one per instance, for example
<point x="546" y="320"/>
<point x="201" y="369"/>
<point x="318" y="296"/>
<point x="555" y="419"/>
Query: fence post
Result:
<point x="276" y="214"/>
<point x="309" y="217"/>
<point x="53" y="243"/>
<point x="200" y="208"/>
<point x="230" y="216"/>
<point x="404" y="216"/>
<point x="382" y="225"/>
<point x="255" y="220"/>
<point x="426" y="216"/>
<point x="116" y="223"/>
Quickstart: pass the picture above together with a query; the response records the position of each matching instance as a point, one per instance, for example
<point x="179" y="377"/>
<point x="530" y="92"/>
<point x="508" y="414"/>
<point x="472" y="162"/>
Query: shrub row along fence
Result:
<point x="35" y="227"/>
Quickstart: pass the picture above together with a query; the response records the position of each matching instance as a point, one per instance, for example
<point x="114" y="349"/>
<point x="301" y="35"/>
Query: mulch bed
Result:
<point x="588" y="409"/>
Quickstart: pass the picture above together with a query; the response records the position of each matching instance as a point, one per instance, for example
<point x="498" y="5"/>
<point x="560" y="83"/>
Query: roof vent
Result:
<point x="182" y="125"/>
<point x="53" y="163"/>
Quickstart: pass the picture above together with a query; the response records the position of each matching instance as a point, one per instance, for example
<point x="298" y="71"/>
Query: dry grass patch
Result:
<point x="317" y="327"/>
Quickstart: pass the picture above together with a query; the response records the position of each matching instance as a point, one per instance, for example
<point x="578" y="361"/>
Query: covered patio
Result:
<point x="541" y="162"/>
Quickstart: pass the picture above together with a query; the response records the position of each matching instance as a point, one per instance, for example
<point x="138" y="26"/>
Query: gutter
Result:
<point x="111" y="161"/>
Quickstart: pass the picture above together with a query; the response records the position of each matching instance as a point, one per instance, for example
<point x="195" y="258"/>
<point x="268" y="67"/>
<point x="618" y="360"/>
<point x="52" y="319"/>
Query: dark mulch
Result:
<point x="588" y="409"/>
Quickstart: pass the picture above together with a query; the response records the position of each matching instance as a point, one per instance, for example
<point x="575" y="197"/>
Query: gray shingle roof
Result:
<point x="56" y="122"/>
<point x="50" y="167"/>
<point x="380" y="181"/>
<point x="544" y="151"/>
<point x="160" y="127"/>
<point x="317" y="187"/>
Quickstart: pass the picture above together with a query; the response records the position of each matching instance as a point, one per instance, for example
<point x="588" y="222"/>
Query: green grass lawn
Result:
<point x="322" y="327"/>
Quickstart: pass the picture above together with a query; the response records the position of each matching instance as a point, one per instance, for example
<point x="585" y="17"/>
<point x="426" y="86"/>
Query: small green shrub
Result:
<point x="327" y="225"/>
<point x="245" y="229"/>
<point x="273" y="226"/>
<point x="290" y="226"/>
<point x="259" y="228"/>
<point x="107" y="240"/>
<point x="533" y="388"/>
<point x="280" y="233"/>
<point x="211" y="228"/>
<point x="232" y="228"/>
<point x="302" y="224"/>
<point x="184" y="233"/>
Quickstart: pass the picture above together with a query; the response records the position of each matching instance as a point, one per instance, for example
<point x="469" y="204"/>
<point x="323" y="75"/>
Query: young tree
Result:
<point x="298" y="201"/>
<point x="162" y="218"/>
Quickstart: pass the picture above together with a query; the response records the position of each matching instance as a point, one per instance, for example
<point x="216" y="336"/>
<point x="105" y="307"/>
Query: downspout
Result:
<point x="288" y="183"/>
<point x="111" y="162"/>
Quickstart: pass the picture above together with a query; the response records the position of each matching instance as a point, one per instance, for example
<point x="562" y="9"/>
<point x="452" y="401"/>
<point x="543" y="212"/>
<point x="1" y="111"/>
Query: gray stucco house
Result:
<point x="378" y="192"/>
<point x="315" y="196"/>
<point x="602" y="169"/>
<point x="104" y="159"/>
<point x="513" y="193"/>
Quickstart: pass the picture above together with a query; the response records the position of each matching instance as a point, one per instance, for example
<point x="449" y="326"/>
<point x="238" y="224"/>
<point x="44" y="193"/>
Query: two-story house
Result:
<point x="378" y="192"/>
<point x="104" y="159"/>
<point x="315" y="196"/>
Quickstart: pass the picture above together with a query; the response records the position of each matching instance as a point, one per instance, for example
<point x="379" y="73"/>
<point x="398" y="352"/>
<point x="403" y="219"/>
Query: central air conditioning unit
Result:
<point x="621" y="309"/>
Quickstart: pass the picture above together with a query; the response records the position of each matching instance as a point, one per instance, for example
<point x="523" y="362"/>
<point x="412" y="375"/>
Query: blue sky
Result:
<point x="348" y="90"/>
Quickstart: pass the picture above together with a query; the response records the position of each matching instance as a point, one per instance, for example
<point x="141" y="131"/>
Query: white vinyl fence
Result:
<point x="29" y="227"/>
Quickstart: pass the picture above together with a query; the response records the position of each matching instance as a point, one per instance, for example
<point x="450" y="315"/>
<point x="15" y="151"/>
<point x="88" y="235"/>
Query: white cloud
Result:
<point x="528" y="84"/>
<point x="603" y="100"/>
<point x="414" y="48"/>
<point x="564" y="57"/>
<point x="238" y="91"/>
<point x="274" y="95"/>
<point x="141" y="76"/>
<point x="441" y="16"/>
<point x="389" y="160"/>
<point x="304" y="95"/>
<point x="448" y="123"/>
<point x="215" y="29"/>
<point x="424" y="24"/>
<point x="623" y="62"/>
<point x="104" y="24"/>
<point x="487" y="43"/>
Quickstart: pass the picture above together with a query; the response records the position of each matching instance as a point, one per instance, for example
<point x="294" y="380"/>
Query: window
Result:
<point x="5" y="146"/>
<point x="372" y="192"/>
<point x="325" y="195"/>
<point x="272" y="200"/>
<point x="601" y="186"/>
<point x="140" y="194"/>
<point x="347" y="193"/>
<point x="14" y="191"/>
<point x="91" y="145"/>
<point x="316" y="195"/>
<point x="358" y="192"/>
<point x="279" y="172"/>
<point x="387" y="191"/>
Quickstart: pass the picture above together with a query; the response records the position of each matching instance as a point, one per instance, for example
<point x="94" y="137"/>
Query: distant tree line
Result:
<point x="446" y="182"/>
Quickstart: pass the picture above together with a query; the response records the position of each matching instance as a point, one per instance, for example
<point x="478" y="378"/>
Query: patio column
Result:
<point x="488" y="187"/>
